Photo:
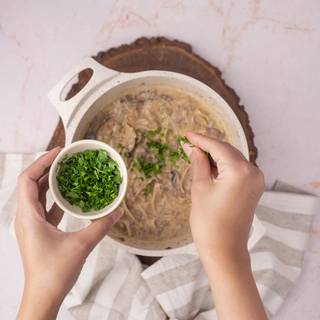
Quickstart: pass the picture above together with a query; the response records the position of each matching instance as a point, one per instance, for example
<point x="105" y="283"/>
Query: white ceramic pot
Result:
<point x="106" y="84"/>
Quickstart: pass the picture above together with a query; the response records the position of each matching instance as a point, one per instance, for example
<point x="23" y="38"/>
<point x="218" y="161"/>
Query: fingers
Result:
<point x="54" y="215"/>
<point x="221" y="152"/>
<point x="97" y="230"/>
<point x="200" y="165"/>
<point x="28" y="179"/>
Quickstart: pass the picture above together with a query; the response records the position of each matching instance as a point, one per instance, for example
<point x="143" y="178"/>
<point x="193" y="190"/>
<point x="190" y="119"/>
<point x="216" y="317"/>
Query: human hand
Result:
<point x="223" y="198"/>
<point x="223" y="203"/>
<point x="52" y="259"/>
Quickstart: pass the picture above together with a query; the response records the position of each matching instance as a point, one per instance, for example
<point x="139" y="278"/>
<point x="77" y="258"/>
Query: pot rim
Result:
<point x="107" y="84"/>
<point x="104" y="80"/>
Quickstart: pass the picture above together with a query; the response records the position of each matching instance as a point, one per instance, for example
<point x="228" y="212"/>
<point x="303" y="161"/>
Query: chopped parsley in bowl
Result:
<point x="89" y="179"/>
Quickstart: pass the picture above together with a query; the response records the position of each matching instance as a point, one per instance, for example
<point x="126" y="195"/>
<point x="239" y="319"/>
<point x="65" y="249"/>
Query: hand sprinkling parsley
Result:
<point x="89" y="180"/>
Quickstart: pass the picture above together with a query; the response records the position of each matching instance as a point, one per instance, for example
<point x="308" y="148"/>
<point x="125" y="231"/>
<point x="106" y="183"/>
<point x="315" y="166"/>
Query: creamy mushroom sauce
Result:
<point x="160" y="219"/>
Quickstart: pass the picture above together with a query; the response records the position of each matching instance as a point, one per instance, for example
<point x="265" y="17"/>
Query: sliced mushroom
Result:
<point x="174" y="177"/>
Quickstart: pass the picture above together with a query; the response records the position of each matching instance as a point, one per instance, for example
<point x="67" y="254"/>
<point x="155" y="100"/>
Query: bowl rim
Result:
<point x="96" y="145"/>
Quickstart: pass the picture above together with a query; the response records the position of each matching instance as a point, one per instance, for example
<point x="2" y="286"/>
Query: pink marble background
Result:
<point x="268" y="52"/>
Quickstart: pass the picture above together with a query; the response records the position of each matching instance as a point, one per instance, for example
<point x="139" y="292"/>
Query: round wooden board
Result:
<point x="163" y="54"/>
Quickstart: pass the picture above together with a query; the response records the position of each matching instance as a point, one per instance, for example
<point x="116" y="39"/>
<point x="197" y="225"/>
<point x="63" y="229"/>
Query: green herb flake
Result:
<point x="182" y="139"/>
<point x="149" y="188"/>
<point x="159" y="153"/>
<point x="159" y="147"/>
<point x="89" y="180"/>
<point x="152" y="133"/>
<point x="178" y="154"/>
<point x="120" y="146"/>
<point x="174" y="156"/>
<point x="147" y="168"/>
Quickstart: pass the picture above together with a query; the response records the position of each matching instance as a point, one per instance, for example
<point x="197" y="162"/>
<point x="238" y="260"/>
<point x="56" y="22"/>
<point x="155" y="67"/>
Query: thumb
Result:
<point x="96" y="231"/>
<point x="200" y="165"/>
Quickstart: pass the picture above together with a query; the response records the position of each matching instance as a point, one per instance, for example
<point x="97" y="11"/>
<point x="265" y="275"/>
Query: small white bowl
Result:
<point x="75" y="211"/>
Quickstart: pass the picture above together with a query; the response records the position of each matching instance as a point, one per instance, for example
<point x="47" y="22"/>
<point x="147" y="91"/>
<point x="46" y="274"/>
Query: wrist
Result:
<point x="222" y="261"/>
<point x="230" y="275"/>
<point x="38" y="305"/>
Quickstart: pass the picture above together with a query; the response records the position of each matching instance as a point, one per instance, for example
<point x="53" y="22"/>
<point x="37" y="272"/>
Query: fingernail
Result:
<point x="187" y="148"/>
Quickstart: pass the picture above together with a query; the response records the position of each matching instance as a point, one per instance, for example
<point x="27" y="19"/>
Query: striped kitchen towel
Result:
<point x="114" y="285"/>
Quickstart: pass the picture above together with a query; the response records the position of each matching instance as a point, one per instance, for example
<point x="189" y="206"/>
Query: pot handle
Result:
<point x="67" y="108"/>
